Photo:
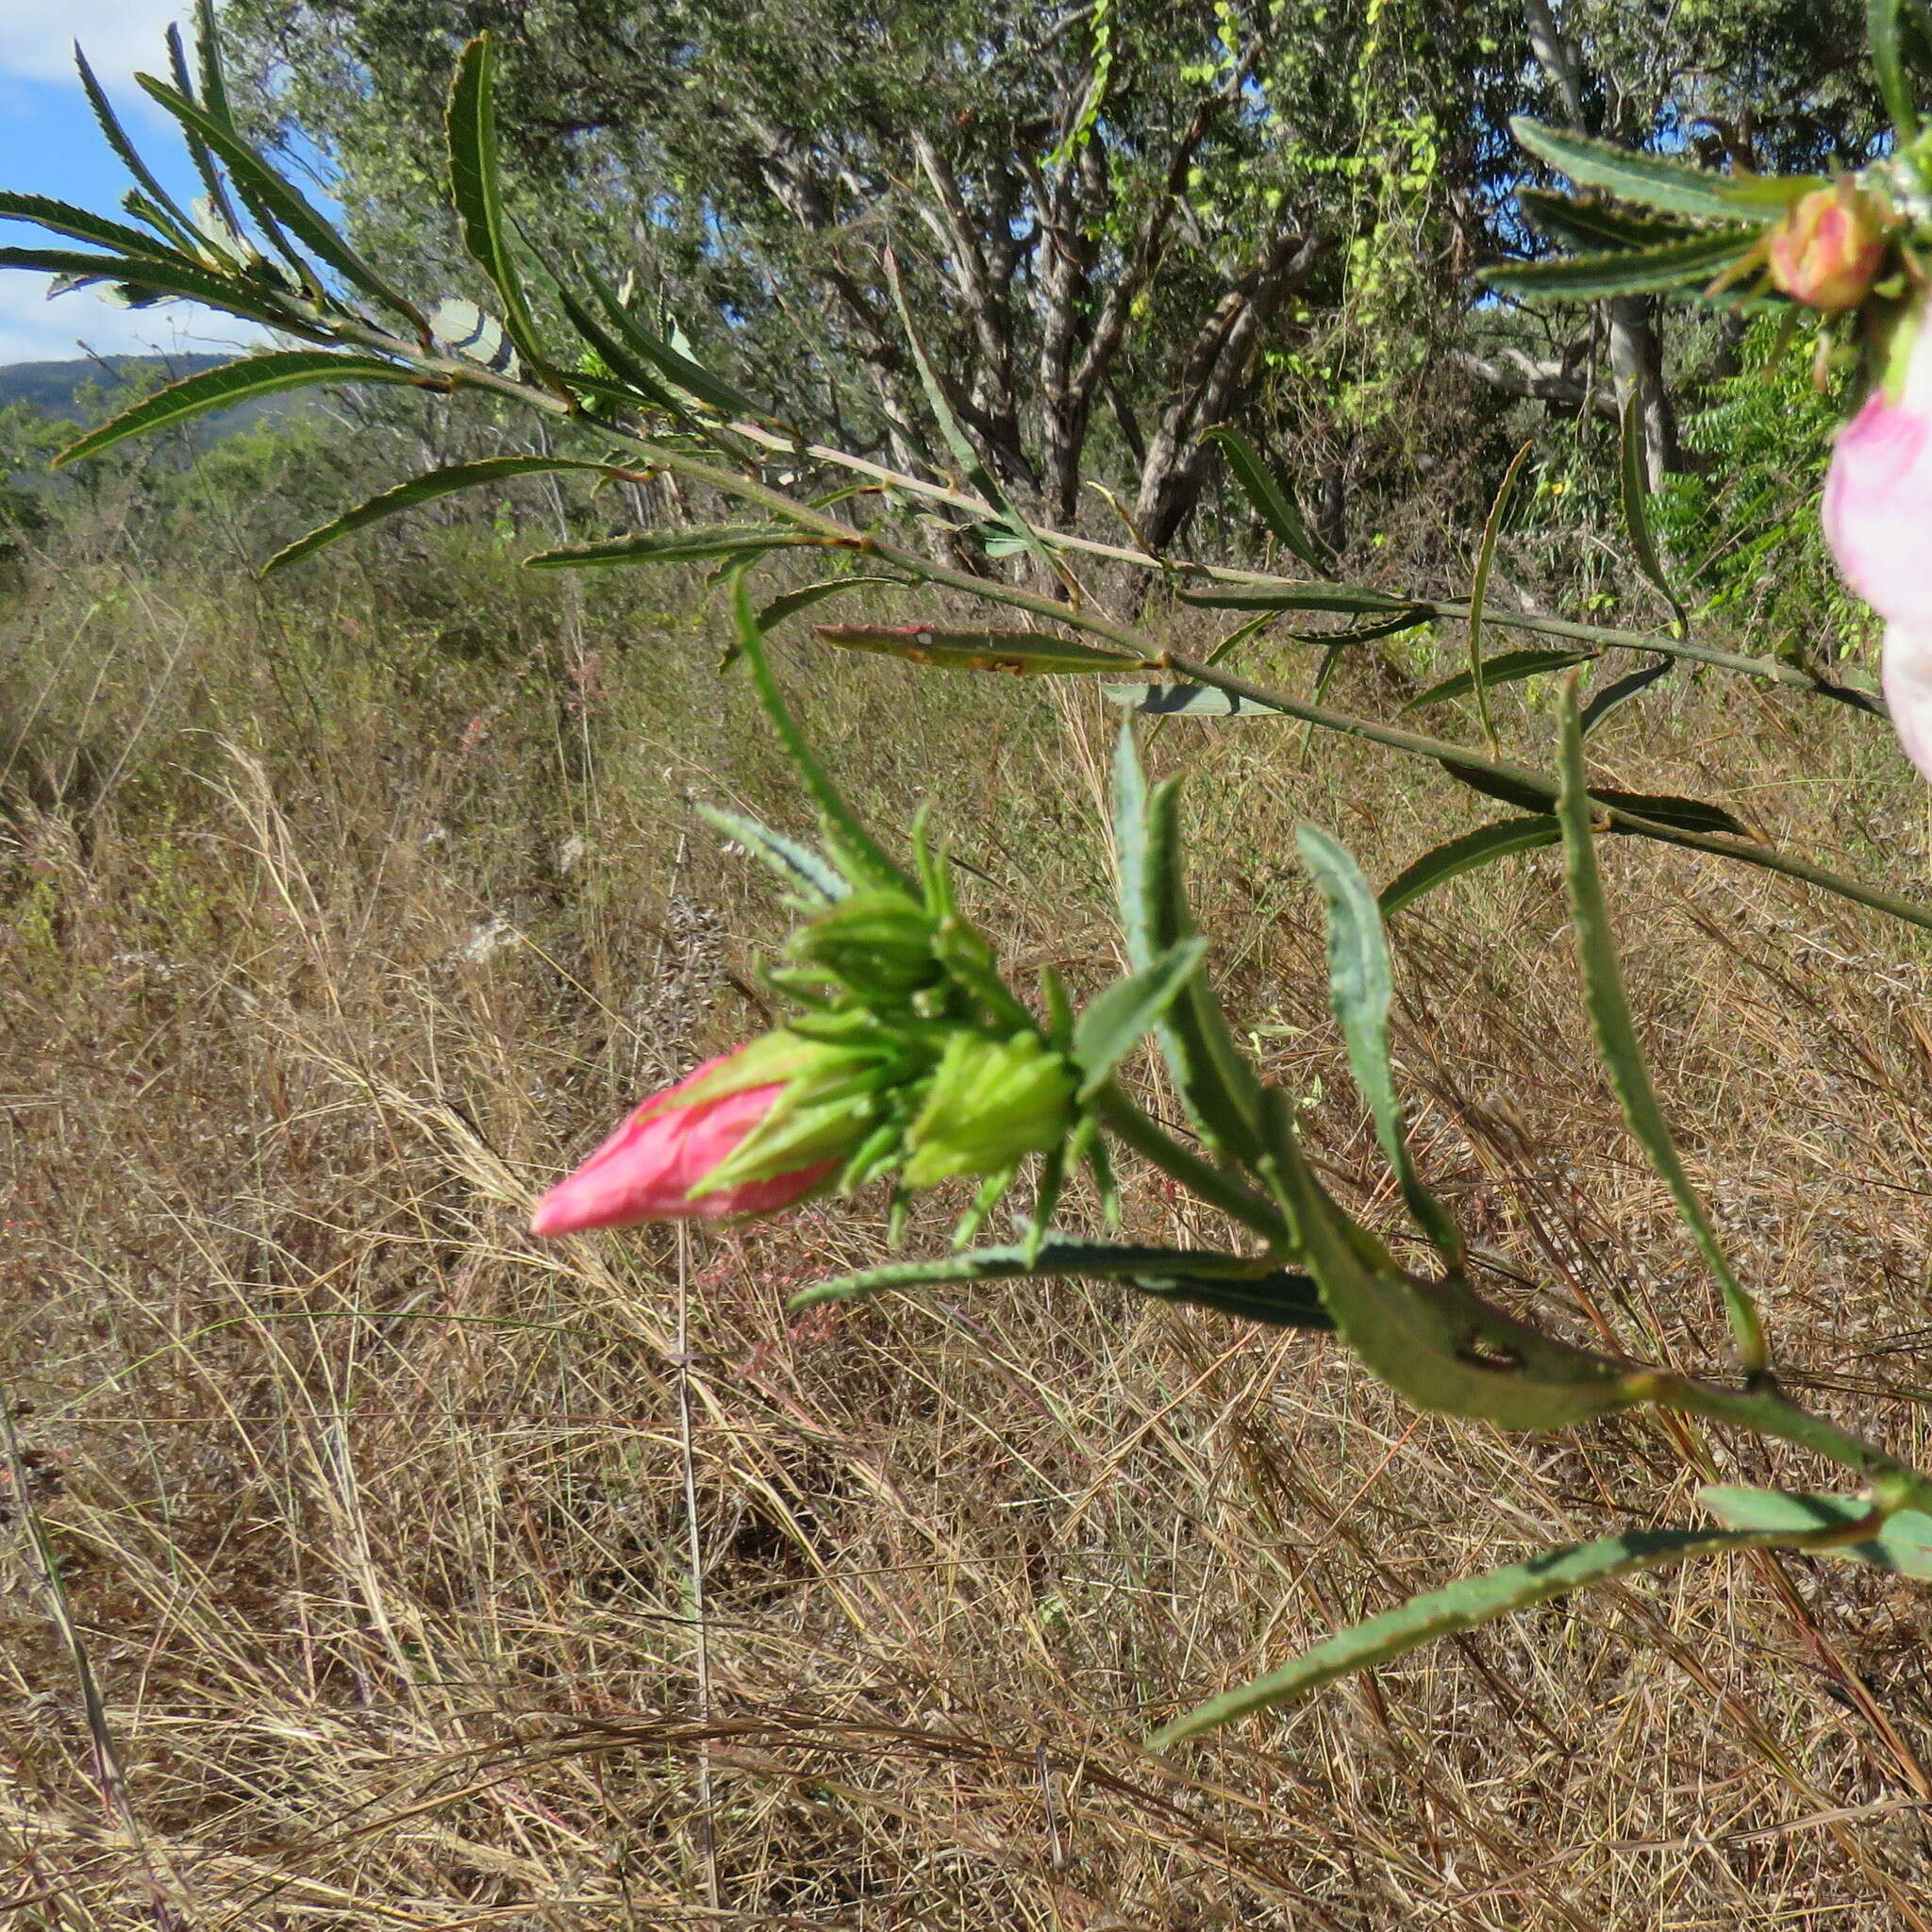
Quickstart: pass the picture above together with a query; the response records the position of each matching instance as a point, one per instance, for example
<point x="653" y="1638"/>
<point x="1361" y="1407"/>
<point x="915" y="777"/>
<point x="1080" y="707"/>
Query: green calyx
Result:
<point x="879" y="944"/>
<point x="991" y="1102"/>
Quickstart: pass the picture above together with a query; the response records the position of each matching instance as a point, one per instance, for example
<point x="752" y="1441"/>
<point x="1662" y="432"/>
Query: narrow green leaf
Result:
<point x="861" y="853"/>
<point x="976" y="471"/>
<point x="163" y="277"/>
<point x="232" y="383"/>
<point x="1462" y="1606"/>
<point x="60" y="218"/>
<point x="1650" y="181"/>
<point x="692" y="377"/>
<point x="792" y="602"/>
<point x="1902" y="1545"/>
<point x="1616" y="1036"/>
<point x="424" y="489"/>
<point x="476" y="188"/>
<point x="1590" y="226"/>
<point x="1502" y="840"/>
<point x="1437" y="1343"/>
<point x="1883" y="35"/>
<point x="675" y="546"/>
<point x="1116" y="1020"/>
<point x="812" y="876"/>
<point x="1273" y="502"/>
<point x="1186" y="700"/>
<point x="1621" y="690"/>
<point x="1021" y="652"/>
<point x="1224" y="1282"/>
<point x="1625" y="270"/>
<point x="1362" y="989"/>
<point x="279" y="202"/>
<point x="1536" y="794"/>
<point x="1216" y="1084"/>
<point x="1634" y="489"/>
<point x="1349" y="599"/>
<point x="1478" y="596"/>
<point x="127" y="152"/>
<point x="1506" y="667"/>
<point x="219" y="206"/>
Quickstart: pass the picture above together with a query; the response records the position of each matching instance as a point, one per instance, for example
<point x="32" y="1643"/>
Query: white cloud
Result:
<point x="33" y="329"/>
<point x="36" y="42"/>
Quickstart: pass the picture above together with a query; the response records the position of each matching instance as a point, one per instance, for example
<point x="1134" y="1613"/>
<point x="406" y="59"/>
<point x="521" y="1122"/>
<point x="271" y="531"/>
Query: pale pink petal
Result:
<point x="1877" y="506"/>
<point x="1908" y="675"/>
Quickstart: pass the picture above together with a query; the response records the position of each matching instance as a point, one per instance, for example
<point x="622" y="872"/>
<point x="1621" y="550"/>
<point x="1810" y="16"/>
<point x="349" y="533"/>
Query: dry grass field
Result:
<point x="428" y="1576"/>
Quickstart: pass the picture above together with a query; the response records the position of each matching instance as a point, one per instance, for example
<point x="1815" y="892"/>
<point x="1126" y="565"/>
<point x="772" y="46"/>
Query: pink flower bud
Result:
<point x="1826" y="250"/>
<point x="647" y="1169"/>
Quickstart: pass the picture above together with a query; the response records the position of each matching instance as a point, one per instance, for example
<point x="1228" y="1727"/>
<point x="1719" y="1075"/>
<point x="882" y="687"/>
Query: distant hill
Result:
<point x="54" y="385"/>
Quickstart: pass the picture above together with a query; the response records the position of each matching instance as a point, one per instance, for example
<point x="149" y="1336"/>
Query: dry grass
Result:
<point x="381" y="1527"/>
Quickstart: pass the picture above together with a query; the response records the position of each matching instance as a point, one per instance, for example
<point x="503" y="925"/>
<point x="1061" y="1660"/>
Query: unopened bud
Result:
<point x="879" y="943"/>
<point x="1828" y="250"/>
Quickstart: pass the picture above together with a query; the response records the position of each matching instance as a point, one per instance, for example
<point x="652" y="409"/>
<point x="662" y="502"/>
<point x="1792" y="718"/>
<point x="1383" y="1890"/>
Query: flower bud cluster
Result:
<point x="899" y="1061"/>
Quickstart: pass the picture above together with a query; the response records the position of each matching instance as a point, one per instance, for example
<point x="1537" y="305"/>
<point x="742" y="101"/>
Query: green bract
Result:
<point x="991" y="1102"/>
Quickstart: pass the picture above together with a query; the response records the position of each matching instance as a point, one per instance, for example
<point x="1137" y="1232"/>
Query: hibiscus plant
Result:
<point x="906" y="1059"/>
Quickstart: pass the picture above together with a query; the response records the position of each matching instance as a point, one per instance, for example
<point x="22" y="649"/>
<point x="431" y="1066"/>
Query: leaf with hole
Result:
<point x="1437" y="1343"/>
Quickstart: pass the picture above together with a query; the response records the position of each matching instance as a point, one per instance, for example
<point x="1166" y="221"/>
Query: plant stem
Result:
<point x="1215" y="1186"/>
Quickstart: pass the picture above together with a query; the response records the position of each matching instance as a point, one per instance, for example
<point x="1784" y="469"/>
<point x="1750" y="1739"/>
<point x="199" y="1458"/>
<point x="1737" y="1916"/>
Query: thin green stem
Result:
<point x="1765" y="1411"/>
<point x="1215" y="1186"/>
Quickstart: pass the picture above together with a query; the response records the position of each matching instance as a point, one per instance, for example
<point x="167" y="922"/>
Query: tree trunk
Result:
<point x="1635" y="351"/>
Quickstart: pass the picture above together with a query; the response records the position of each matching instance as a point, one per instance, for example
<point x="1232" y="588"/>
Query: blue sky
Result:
<point x="50" y="145"/>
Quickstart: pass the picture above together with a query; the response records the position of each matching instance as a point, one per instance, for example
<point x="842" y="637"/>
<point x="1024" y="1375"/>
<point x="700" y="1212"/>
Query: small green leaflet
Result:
<point x="1650" y="181"/>
<point x="674" y="546"/>
<point x="1463" y="1605"/>
<point x="1633" y="479"/>
<point x="815" y="878"/>
<point x="1506" y="667"/>
<point x="1616" y="1037"/>
<point x="1021" y="652"/>
<point x="1625" y="272"/>
<point x="1273" y="503"/>
<point x="1902" y="1543"/>
<point x="426" y="489"/>
<point x="476" y="188"/>
<point x="1479" y="592"/>
<point x="792" y="602"/>
<point x="1115" y="1020"/>
<point x="234" y="382"/>
<point x="1502" y="840"/>
<point x="1362" y="989"/>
